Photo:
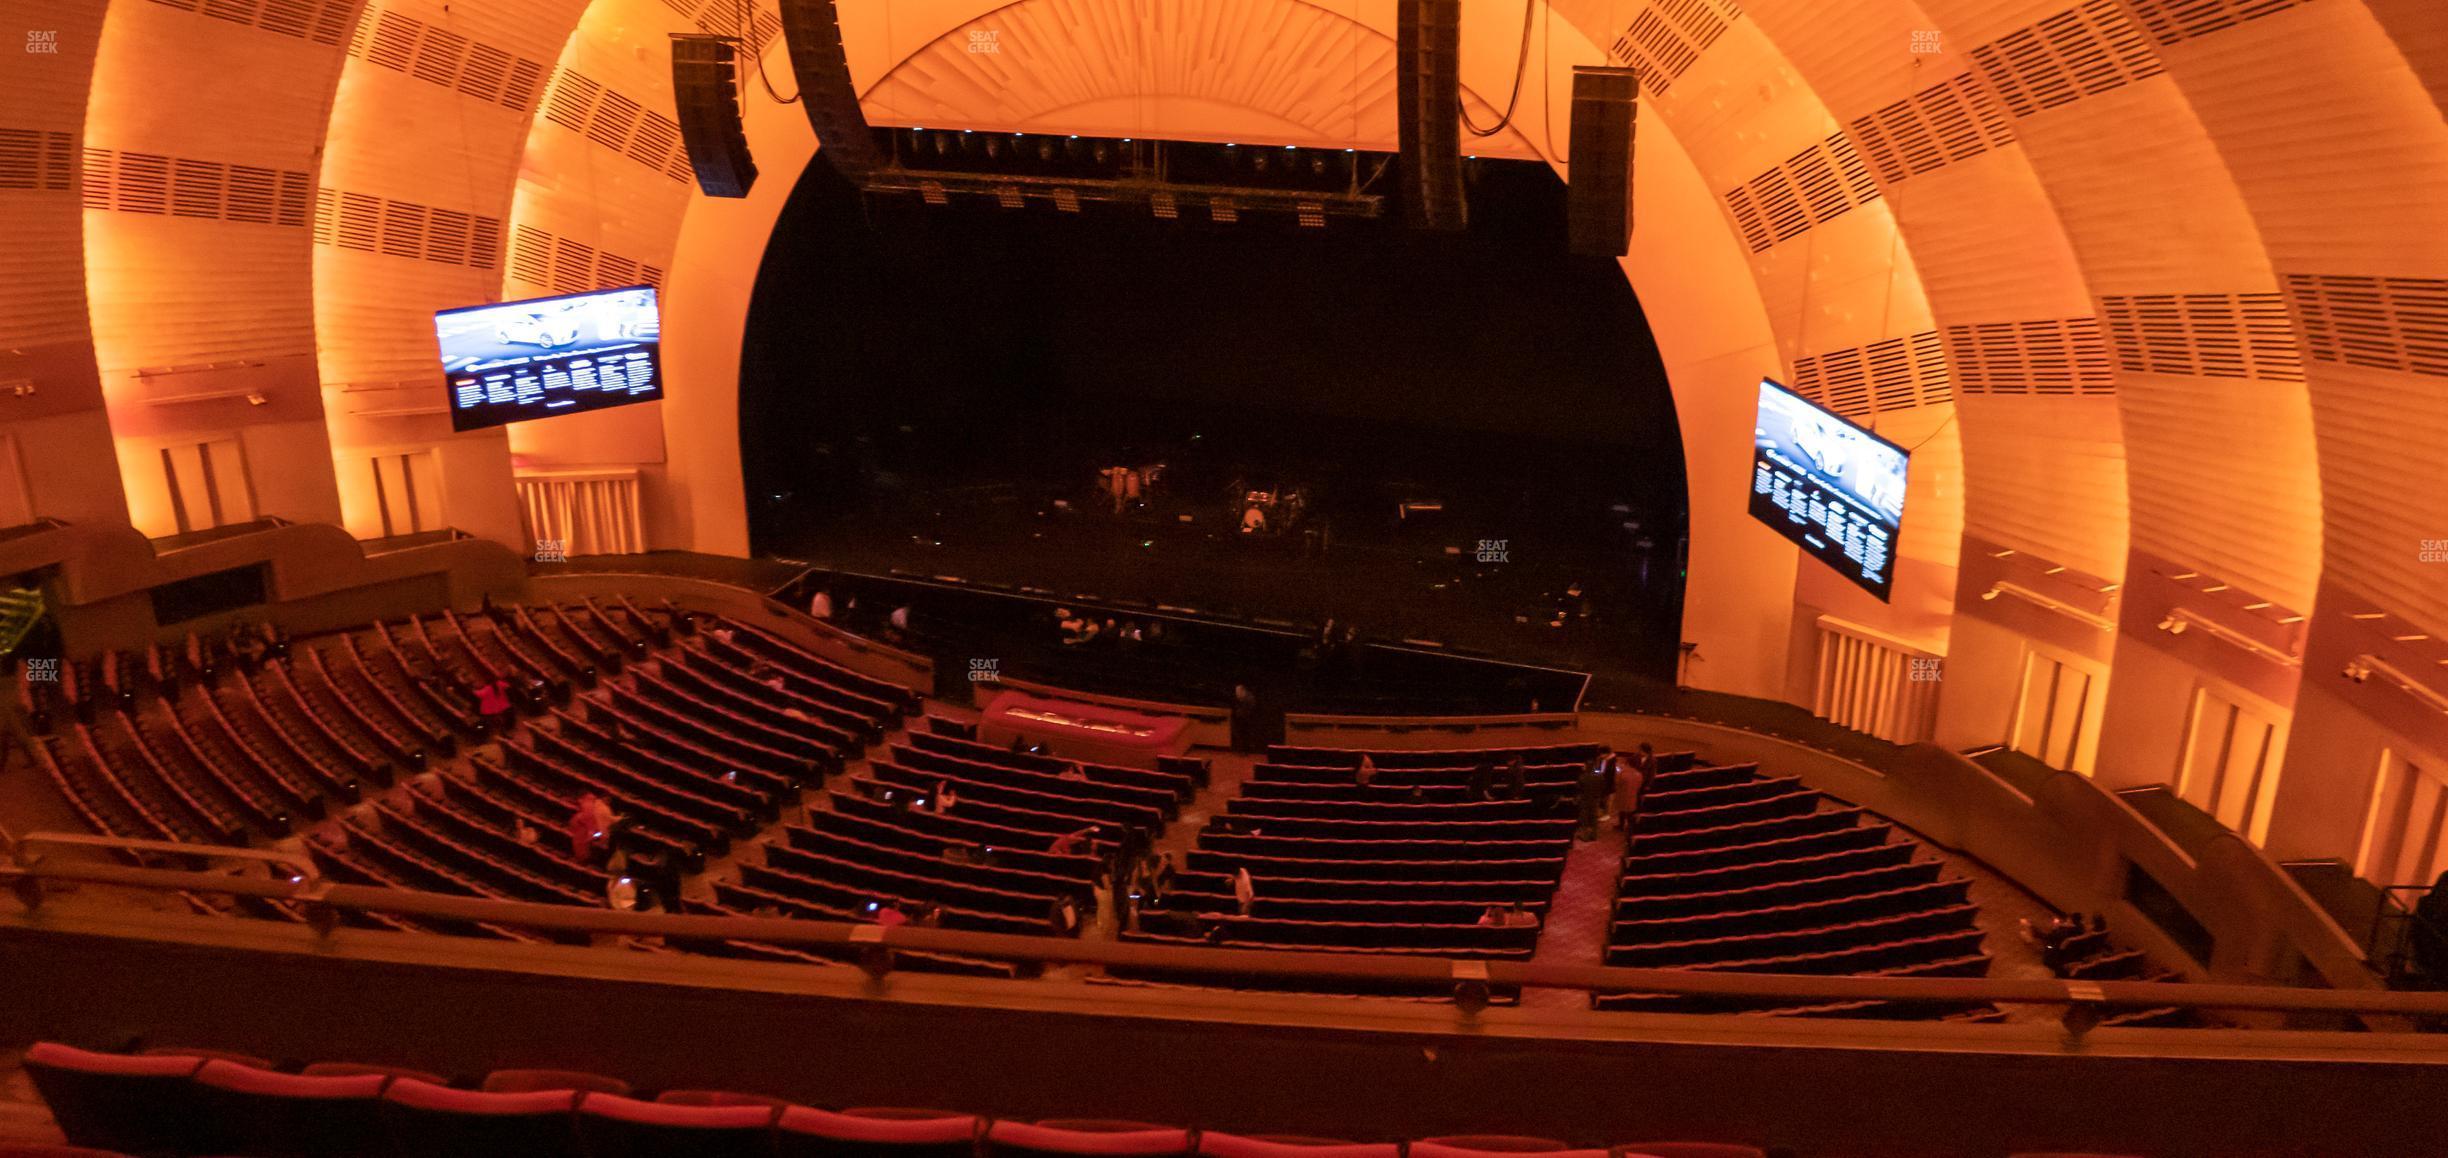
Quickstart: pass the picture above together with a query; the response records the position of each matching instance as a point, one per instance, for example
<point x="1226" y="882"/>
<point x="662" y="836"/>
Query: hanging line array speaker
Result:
<point x="705" y="85"/>
<point x="1598" y="202"/>
<point x="812" y="29"/>
<point x="1428" y="88"/>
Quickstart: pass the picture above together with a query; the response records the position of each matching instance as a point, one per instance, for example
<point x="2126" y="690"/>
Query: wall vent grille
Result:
<point x="188" y="187"/>
<point x="438" y="56"/>
<point x="2386" y="323"/>
<point x="2211" y="335"/>
<point x="1667" y="36"/>
<point x="1896" y="374"/>
<point x="1933" y="128"/>
<point x="615" y="121"/>
<point x="2176" y="21"/>
<point x="404" y="229"/>
<point x="319" y="21"/>
<point x="567" y="266"/>
<point x="41" y="159"/>
<point x="2082" y="51"/>
<point x="1815" y="186"/>
<point x="2062" y="357"/>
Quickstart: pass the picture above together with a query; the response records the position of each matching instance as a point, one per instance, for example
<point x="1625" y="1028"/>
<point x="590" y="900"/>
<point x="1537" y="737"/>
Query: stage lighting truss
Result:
<point x="1169" y="179"/>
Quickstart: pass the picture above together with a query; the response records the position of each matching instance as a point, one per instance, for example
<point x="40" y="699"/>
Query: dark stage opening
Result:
<point x="1462" y="437"/>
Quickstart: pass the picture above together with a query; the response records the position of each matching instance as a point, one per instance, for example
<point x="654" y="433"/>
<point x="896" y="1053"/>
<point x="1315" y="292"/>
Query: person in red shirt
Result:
<point x="590" y="826"/>
<point x="493" y="703"/>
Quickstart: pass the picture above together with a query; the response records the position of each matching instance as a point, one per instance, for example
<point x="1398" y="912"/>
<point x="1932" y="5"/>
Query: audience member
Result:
<point x="2429" y="932"/>
<point x="1245" y="890"/>
<point x="1630" y="781"/>
<point x="493" y="703"/>
<point x="1073" y="843"/>
<point x="590" y="826"/>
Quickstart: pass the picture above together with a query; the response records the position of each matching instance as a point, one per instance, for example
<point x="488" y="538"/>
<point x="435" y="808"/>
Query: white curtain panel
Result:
<point x="595" y="513"/>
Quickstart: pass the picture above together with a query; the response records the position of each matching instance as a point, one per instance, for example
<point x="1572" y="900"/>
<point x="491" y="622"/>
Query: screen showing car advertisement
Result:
<point x="1828" y="485"/>
<point x="551" y="356"/>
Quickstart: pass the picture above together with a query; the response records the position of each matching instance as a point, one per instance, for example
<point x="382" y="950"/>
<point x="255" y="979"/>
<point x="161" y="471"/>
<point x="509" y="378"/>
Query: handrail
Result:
<point x="28" y="878"/>
<point x="2402" y="924"/>
<point x="302" y="866"/>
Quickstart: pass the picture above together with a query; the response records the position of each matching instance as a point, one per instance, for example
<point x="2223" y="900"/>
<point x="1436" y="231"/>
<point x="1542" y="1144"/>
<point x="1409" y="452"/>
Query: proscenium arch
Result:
<point x="1702" y="303"/>
<point x="2255" y="113"/>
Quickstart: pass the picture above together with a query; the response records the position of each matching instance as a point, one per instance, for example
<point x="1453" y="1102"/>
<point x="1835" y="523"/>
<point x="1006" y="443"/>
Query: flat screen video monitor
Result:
<point x="546" y="357"/>
<point x="1832" y="487"/>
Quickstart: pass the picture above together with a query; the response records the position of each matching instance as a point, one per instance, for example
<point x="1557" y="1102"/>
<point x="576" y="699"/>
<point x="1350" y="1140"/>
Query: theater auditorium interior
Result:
<point x="1167" y="578"/>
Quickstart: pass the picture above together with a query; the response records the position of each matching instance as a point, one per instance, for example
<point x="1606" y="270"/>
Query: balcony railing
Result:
<point x="33" y="869"/>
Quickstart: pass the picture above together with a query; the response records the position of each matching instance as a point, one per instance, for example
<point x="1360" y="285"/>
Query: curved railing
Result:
<point x="32" y="871"/>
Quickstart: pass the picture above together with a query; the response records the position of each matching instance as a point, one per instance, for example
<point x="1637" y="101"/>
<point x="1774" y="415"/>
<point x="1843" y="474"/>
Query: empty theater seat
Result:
<point x="524" y="1081"/>
<point x="268" y="1114"/>
<point x="426" y="1118"/>
<point x="1217" y="1145"/>
<point x="1085" y="1138"/>
<point x="807" y="1132"/>
<point x="115" y="1101"/>
<point x="1487" y="1145"/>
<point x="611" y="1126"/>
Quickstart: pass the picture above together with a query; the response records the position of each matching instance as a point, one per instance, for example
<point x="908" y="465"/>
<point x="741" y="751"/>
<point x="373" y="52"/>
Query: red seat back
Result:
<point x="1214" y="1145"/>
<point x="807" y="1132"/>
<point x="115" y="1101"/>
<point x="1096" y="1140"/>
<point x="612" y="1126"/>
<point x="268" y="1114"/>
<point x="428" y="1118"/>
<point x="528" y="1081"/>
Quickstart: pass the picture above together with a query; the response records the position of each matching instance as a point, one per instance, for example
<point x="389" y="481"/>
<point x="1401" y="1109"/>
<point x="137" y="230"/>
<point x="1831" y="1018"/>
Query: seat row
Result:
<point x="1729" y="869"/>
<point x="1336" y="864"/>
<point x="177" y="1103"/>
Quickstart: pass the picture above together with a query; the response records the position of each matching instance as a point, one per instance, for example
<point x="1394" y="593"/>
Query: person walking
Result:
<point x="1630" y="782"/>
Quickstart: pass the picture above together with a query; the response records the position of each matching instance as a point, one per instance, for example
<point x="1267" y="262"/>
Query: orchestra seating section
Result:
<point x="368" y="748"/>
<point x="171" y="1102"/>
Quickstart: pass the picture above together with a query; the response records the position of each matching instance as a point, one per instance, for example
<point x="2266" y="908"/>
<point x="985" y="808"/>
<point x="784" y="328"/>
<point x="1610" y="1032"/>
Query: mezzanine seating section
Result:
<point x="1409" y="863"/>
<point x="1728" y="869"/>
<point x="256" y="738"/>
